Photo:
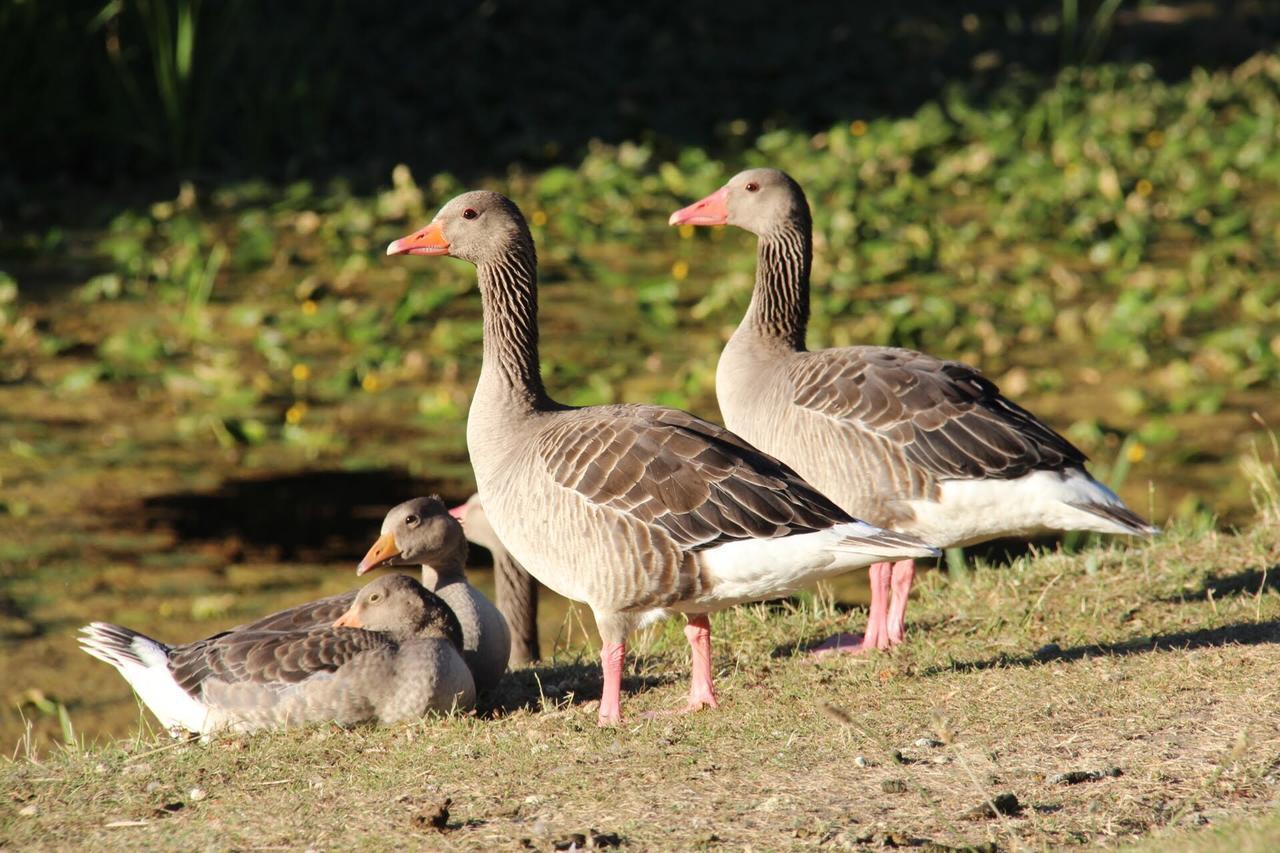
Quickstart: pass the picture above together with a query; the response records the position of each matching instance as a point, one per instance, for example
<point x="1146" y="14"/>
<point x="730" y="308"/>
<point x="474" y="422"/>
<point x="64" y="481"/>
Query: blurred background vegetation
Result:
<point x="212" y="381"/>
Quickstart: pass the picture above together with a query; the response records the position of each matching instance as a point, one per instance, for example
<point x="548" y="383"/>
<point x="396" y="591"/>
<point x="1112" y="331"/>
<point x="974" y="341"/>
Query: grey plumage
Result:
<point x="515" y="590"/>
<point x="625" y="507"/>
<point x="877" y="429"/>
<point x="404" y="662"/>
<point x="422" y="532"/>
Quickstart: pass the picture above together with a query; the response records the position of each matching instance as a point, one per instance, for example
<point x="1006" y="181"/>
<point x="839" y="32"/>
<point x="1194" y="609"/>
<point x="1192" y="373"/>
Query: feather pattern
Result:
<point x="697" y="482"/>
<point x="249" y="678"/>
<point x="270" y="657"/>
<point x="311" y="614"/>
<point x="940" y="417"/>
<point x="882" y="430"/>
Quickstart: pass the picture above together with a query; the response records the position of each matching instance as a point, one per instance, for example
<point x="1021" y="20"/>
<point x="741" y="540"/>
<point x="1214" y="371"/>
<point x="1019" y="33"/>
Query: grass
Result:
<point x="1157" y="663"/>
<point x="1105" y="245"/>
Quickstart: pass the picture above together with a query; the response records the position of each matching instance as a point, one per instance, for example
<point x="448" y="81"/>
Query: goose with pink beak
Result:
<point x="628" y="508"/>
<point x="905" y="440"/>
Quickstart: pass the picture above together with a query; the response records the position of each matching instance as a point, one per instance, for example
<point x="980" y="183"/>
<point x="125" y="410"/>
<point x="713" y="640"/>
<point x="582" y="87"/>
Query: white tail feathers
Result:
<point x="858" y="537"/>
<point x="144" y="663"/>
<point x="120" y="646"/>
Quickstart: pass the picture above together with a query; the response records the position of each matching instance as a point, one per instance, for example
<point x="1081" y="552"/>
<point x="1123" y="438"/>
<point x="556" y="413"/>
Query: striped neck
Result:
<point x="509" y="300"/>
<point x="779" y="310"/>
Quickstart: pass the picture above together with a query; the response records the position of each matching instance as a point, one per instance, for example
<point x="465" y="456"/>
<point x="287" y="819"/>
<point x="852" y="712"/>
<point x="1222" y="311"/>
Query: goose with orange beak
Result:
<point x="423" y="532"/>
<point x="628" y="508"/>
<point x="394" y="654"/>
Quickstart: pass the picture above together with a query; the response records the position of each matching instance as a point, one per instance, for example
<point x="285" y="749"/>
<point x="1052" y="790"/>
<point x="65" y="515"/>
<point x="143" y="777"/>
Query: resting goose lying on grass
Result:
<point x="393" y="655"/>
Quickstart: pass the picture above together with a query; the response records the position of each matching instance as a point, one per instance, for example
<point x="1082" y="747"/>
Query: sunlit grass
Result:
<point x="1154" y="662"/>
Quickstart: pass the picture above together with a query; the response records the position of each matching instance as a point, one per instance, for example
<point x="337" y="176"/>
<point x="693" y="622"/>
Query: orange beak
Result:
<point x="383" y="552"/>
<point x="348" y="620"/>
<point x="428" y="241"/>
<point x="712" y="210"/>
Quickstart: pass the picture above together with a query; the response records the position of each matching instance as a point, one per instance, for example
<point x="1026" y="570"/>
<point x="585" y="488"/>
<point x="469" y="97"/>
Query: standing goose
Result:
<point x="909" y="441"/>
<point x="423" y="532"/>
<point x="393" y="655"/>
<point x="515" y="589"/>
<point x="627" y="507"/>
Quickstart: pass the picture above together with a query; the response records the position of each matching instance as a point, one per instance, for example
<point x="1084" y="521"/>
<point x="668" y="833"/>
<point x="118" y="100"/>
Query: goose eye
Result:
<point x="411" y="520"/>
<point x="469" y="213"/>
<point x="375" y="598"/>
<point x="752" y="187"/>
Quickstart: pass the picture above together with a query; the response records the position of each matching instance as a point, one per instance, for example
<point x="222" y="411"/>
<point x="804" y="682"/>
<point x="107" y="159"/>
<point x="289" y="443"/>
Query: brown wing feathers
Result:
<point x="947" y="418"/>
<point x="303" y="617"/>
<point x="698" y="482"/>
<point x="269" y="656"/>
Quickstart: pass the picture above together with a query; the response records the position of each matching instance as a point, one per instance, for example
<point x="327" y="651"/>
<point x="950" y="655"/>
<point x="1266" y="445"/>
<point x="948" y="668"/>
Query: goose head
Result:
<point x="400" y="607"/>
<point x="757" y="200"/>
<point x="418" y="532"/>
<point x="481" y="227"/>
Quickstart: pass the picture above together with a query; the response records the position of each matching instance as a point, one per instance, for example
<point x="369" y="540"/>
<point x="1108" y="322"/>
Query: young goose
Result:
<point x="627" y="507"/>
<point x="906" y="440"/>
<point x="422" y="532"/>
<point x="438" y="549"/>
<point x="392" y="656"/>
<point x="515" y="589"/>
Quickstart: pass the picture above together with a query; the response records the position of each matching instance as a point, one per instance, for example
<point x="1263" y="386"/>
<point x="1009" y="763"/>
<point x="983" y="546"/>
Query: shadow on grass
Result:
<point x="1242" y="634"/>
<point x="576" y="683"/>
<point x="1250" y="582"/>
<point x="311" y="515"/>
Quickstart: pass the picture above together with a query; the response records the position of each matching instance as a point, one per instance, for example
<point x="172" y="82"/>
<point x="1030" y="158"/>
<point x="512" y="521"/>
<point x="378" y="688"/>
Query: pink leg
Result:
<point x="904" y="573"/>
<point x="876" y="635"/>
<point x="701" y="692"/>
<point x="611" y="658"/>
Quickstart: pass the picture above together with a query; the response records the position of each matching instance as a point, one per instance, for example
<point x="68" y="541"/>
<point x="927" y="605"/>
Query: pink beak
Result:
<point x="459" y="512"/>
<point x="425" y="241"/>
<point x="712" y="210"/>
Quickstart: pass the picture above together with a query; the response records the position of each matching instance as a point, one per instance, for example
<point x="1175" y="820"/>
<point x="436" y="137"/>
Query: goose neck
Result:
<point x="509" y="298"/>
<point x="779" y="310"/>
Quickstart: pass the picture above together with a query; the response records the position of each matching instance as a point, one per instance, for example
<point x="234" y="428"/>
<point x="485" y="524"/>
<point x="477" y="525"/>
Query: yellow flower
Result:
<point x="539" y="217"/>
<point x="301" y="372"/>
<point x="1144" y="188"/>
<point x="1137" y="452"/>
<point x="370" y="383"/>
<point x="1155" y="139"/>
<point x="310" y="307"/>
<point x="685" y="231"/>
<point x="680" y="270"/>
<point x="858" y="127"/>
<point x="295" y="413"/>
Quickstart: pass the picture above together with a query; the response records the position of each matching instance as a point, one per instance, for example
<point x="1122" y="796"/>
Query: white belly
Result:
<point x="972" y="511"/>
<point x="759" y="569"/>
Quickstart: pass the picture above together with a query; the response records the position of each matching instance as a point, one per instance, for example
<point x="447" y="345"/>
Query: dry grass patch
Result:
<point x="1106" y="698"/>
